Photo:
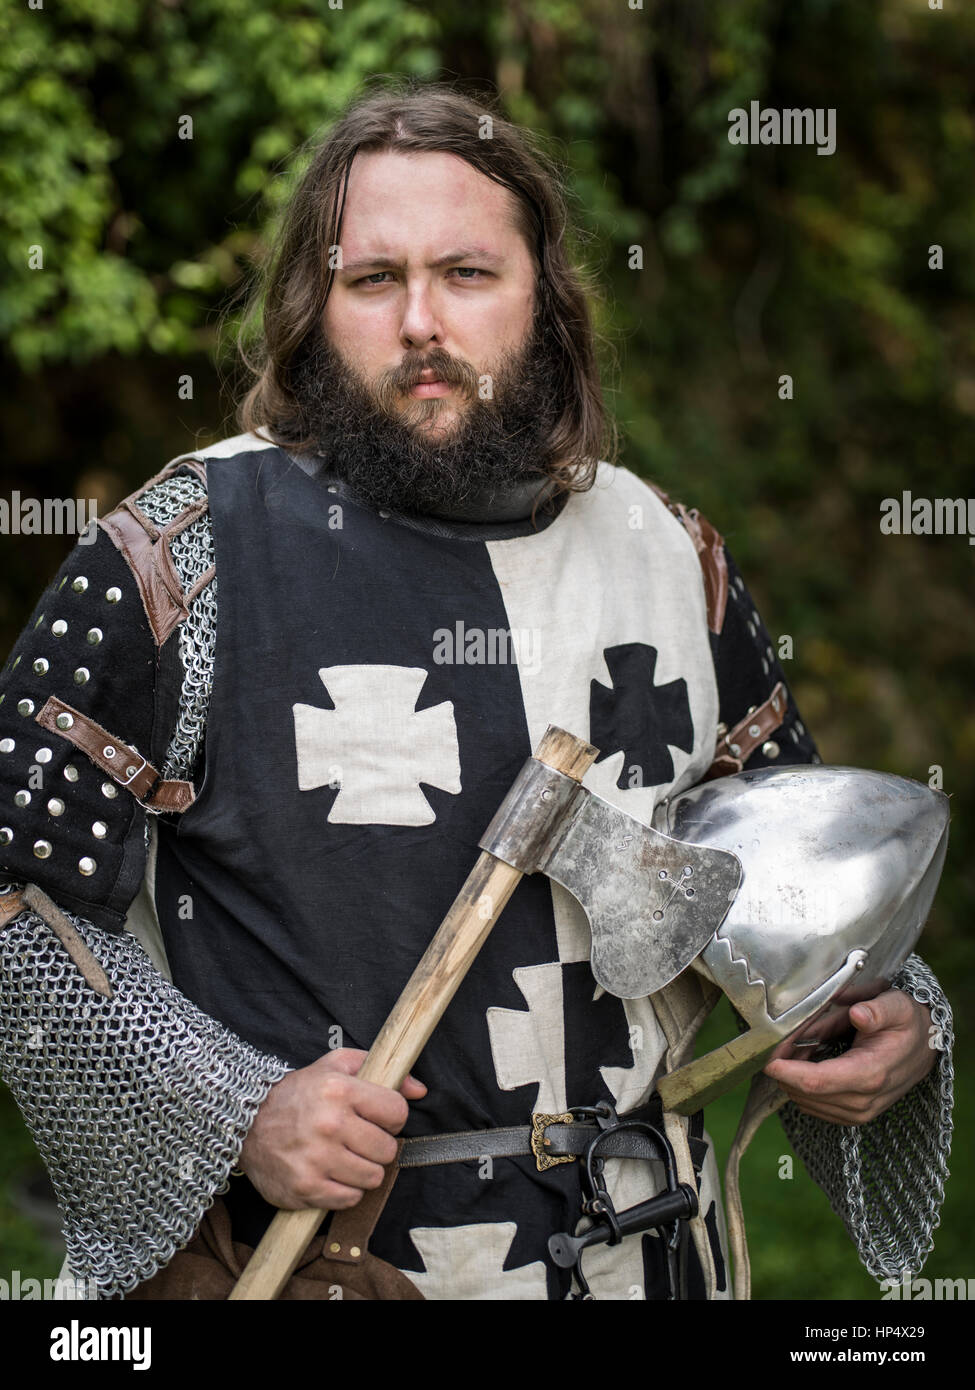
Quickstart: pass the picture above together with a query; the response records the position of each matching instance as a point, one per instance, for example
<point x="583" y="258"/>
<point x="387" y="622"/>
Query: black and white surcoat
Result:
<point x="369" y="690"/>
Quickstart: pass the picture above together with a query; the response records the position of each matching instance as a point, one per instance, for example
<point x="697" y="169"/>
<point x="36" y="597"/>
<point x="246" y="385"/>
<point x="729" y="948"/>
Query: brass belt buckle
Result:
<point x="540" y="1123"/>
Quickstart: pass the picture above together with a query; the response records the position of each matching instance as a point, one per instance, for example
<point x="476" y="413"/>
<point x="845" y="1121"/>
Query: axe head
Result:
<point x="653" y="903"/>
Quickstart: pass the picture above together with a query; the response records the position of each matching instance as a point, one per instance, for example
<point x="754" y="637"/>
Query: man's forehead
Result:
<point x="429" y="203"/>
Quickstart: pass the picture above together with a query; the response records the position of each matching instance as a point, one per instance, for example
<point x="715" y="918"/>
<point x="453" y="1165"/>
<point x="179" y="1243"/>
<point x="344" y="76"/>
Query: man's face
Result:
<point x="433" y="377"/>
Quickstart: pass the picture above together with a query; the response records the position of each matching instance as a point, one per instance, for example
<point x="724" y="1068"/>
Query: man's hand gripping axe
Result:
<point x="653" y="903"/>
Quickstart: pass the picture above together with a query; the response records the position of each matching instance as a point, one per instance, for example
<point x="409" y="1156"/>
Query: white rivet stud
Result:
<point x="771" y="749"/>
<point x="7" y="745"/>
<point x="113" y="595"/>
<point x="131" y="771"/>
<point x="6" y="835"/>
<point x="753" y="731"/>
<point x="109" y="751"/>
<point x="110" y="790"/>
<point x="94" y="636"/>
<point x="82" y="675"/>
<point x="735" y="749"/>
<point x="59" y="628"/>
<point x="99" y="829"/>
<point x="87" y="866"/>
<point x="42" y="849"/>
<point x="43" y="755"/>
<point x="41" y="666"/>
<point x="80" y="584"/>
<point x="55" y="806"/>
<point x="25" y="707"/>
<point x="22" y="799"/>
<point x="71" y="773"/>
<point x="64" y="721"/>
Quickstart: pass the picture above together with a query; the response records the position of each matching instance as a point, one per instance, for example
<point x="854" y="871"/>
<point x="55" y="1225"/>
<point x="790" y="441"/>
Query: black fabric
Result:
<point x="293" y="928"/>
<point x="748" y="670"/>
<point x="118" y="696"/>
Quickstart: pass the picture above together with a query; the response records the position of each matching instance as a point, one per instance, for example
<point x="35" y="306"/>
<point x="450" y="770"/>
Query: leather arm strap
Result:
<point x="125" y="765"/>
<point x="734" y="748"/>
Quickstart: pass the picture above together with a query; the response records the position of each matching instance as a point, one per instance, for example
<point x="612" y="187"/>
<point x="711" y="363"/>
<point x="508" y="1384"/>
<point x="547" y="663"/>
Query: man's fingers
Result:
<point x="893" y="1009"/>
<point x="369" y="1141"/>
<point x="853" y="1071"/>
<point x="349" y="1060"/>
<point x="345" y="1059"/>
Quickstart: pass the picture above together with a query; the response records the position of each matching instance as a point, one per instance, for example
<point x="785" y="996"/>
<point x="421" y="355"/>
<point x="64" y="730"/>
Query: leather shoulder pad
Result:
<point x="143" y="527"/>
<point x="709" y="545"/>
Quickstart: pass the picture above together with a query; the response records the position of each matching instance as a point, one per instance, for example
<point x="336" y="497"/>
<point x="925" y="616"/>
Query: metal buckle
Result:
<point x="124" y="781"/>
<point x="540" y="1123"/>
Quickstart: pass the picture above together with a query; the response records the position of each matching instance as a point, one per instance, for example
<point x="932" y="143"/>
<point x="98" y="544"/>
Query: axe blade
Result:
<point x="653" y="902"/>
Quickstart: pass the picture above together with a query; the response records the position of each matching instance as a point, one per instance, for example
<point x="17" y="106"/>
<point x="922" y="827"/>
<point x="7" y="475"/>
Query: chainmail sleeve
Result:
<point x="140" y="1103"/>
<point x="885" y="1179"/>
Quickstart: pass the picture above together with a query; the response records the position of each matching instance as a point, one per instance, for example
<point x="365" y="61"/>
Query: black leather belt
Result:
<point x="551" y="1139"/>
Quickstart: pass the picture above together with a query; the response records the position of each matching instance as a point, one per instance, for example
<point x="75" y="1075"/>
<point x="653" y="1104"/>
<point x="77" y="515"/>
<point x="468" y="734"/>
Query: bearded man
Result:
<point x="372" y="603"/>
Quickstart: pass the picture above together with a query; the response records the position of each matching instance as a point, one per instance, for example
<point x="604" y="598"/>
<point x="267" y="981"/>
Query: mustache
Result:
<point x="453" y="370"/>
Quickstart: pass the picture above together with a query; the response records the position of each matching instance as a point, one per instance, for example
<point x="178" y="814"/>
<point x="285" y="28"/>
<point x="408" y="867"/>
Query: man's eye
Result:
<point x="466" y="272"/>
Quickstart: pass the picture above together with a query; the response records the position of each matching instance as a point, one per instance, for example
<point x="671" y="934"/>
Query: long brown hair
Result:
<point x="291" y="291"/>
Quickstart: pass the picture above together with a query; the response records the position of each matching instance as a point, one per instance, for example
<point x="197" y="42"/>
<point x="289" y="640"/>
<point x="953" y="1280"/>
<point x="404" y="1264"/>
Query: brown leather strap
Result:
<point x="736" y="746"/>
<point x="709" y="545"/>
<point x="347" y="1240"/>
<point x="11" y="906"/>
<point x="145" y="547"/>
<point x="76" y="948"/>
<point x="123" y="764"/>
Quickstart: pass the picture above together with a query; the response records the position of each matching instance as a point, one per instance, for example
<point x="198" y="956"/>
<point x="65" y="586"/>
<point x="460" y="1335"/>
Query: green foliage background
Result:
<point x="757" y="261"/>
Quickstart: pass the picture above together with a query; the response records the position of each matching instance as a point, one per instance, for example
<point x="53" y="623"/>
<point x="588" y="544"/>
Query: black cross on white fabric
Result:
<point x="640" y="718"/>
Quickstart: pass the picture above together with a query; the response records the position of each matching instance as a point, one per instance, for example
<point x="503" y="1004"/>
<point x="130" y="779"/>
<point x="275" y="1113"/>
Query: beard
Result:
<point x="395" y="450"/>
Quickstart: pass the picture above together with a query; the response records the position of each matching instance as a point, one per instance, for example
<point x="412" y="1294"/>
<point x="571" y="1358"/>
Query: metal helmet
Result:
<point x="840" y="866"/>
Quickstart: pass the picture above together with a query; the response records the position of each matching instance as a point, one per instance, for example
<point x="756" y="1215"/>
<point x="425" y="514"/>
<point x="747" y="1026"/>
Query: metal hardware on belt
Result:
<point x="669" y="1209"/>
<point x="540" y="1123"/>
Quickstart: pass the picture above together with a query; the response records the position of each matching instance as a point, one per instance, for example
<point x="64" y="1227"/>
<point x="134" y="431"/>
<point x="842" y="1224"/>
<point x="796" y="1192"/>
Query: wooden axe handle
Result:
<point x="416" y="1013"/>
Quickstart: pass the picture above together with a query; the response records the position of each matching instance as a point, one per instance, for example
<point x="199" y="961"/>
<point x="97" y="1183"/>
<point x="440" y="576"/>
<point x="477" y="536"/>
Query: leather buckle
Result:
<point x="540" y="1123"/>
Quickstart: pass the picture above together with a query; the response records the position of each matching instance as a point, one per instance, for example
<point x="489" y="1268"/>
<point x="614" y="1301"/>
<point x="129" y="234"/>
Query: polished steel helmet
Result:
<point x="839" y="869"/>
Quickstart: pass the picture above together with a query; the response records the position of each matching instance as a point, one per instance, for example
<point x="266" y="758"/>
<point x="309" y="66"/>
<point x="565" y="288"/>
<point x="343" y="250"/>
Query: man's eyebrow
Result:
<point x="382" y="260"/>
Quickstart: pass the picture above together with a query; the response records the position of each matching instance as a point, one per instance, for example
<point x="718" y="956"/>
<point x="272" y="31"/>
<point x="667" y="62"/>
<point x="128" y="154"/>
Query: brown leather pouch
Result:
<point x="335" y="1266"/>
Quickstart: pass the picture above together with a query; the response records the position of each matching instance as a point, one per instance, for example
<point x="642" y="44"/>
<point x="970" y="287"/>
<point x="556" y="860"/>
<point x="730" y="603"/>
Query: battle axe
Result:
<point x="839" y="868"/>
<point x="652" y="902"/>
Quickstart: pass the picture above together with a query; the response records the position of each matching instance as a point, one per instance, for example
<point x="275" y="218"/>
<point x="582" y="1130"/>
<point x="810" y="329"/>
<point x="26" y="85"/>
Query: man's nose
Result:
<point x="422" y="321"/>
